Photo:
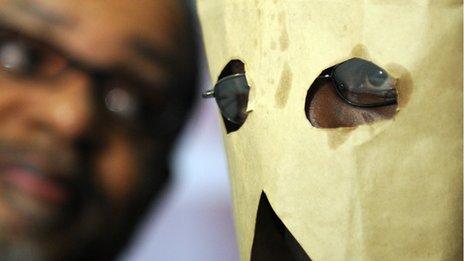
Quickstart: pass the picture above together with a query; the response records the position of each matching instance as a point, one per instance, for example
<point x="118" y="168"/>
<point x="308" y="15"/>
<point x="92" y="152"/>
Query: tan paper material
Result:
<point x="391" y="190"/>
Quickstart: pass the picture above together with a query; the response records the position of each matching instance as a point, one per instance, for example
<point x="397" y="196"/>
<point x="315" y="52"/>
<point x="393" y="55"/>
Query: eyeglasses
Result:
<point x="362" y="83"/>
<point x="231" y="94"/>
<point x="359" y="82"/>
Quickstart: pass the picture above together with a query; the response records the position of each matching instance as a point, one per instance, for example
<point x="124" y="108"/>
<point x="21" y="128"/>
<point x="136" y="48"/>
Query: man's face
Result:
<point x="79" y="82"/>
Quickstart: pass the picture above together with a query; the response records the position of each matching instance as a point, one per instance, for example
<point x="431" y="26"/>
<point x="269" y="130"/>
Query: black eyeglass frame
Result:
<point x="329" y="74"/>
<point x="211" y="93"/>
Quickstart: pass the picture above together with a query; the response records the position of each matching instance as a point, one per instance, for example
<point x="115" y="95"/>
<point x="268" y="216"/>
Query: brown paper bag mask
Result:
<point x="388" y="189"/>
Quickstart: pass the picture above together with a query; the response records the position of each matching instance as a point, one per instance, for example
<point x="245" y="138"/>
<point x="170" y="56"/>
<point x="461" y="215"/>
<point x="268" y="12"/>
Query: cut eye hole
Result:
<point x="351" y="93"/>
<point x="231" y="93"/>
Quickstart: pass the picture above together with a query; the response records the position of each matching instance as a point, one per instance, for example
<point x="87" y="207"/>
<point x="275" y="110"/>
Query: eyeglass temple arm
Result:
<point x="208" y="94"/>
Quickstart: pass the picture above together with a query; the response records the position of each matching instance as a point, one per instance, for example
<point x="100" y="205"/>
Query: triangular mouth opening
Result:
<point x="272" y="239"/>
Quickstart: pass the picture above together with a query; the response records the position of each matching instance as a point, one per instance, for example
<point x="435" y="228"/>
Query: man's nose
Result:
<point x="64" y="109"/>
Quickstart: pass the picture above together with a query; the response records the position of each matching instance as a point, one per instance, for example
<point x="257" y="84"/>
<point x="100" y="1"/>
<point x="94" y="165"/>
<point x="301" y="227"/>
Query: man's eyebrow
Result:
<point x="42" y="13"/>
<point x="161" y="62"/>
<point x="150" y="52"/>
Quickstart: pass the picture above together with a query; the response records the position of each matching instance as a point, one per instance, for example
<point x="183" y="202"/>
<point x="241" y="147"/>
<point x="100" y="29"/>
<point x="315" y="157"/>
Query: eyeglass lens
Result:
<point x="363" y="83"/>
<point x="231" y="95"/>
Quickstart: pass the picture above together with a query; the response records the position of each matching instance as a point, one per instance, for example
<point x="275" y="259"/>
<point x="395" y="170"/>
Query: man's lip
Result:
<point x="31" y="182"/>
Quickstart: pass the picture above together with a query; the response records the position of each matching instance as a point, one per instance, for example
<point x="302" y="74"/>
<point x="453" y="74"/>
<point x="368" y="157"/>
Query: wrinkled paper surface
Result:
<point x="391" y="190"/>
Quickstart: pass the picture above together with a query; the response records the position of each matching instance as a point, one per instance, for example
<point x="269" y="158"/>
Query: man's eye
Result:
<point x="356" y="74"/>
<point x="376" y="76"/>
<point x="363" y="83"/>
<point x="121" y="101"/>
<point x="23" y="58"/>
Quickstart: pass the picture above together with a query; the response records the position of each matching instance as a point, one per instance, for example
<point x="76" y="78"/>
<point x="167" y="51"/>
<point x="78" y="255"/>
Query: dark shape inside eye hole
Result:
<point x="232" y="67"/>
<point x="351" y="93"/>
<point x="272" y="240"/>
<point x="231" y="93"/>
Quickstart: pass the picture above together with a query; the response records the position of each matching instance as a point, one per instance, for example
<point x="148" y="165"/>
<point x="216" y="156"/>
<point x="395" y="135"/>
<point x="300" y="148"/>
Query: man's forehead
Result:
<point x="102" y="32"/>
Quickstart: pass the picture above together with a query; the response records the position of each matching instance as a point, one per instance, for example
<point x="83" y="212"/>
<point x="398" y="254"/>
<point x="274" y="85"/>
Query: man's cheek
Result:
<point x="117" y="168"/>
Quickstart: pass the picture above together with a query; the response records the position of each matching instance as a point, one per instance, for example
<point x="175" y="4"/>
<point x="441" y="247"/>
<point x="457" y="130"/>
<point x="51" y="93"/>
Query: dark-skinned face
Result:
<point x="81" y="85"/>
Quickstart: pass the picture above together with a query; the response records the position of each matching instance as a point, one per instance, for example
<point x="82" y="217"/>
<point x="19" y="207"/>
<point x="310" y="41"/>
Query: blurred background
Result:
<point x="193" y="220"/>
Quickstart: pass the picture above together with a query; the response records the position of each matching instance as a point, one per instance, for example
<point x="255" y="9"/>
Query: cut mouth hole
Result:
<point x="231" y="94"/>
<point x="350" y="94"/>
<point x="272" y="240"/>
